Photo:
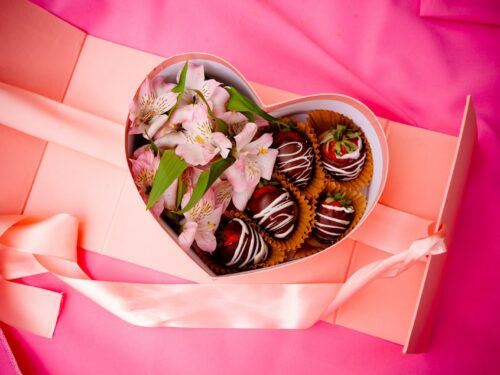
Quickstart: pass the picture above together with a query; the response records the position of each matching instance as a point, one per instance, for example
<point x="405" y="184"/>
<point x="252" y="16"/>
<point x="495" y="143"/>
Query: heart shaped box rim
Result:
<point x="224" y="72"/>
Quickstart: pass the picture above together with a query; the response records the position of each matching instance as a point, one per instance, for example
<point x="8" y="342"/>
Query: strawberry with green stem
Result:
<point x="334" y="216"/>
<point x="342" y="152"/>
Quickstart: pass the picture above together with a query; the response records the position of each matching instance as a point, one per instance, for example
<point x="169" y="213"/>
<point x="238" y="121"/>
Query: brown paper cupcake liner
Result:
<point x="359" y="202"/>
<point x="276" y="255"/>
<point x="303" y="225"/>
<point x="318" y="178"/>
<point x="322" y="120"/>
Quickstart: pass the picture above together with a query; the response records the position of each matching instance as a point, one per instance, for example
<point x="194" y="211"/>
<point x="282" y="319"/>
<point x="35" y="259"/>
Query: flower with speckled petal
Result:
<point x="254" y="160"/>
<point x="201" y="221"/>
<point x="148" y="112"/>
<point x="196" y="143"/>
<point x="215" y="96"/>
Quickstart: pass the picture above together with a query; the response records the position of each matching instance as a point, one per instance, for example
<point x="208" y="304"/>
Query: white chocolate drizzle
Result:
<point x="279" y="221"/>
<point x="249" y="239"/>
<point x="334" y="227"/>
<point x="351" y="171"/>
<point x="304" y="162"/>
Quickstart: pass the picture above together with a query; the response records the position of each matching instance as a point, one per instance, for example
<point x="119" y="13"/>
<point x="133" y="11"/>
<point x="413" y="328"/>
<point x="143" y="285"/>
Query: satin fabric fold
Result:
<point x="8" y="363"/>
<point x="50" y="243"/>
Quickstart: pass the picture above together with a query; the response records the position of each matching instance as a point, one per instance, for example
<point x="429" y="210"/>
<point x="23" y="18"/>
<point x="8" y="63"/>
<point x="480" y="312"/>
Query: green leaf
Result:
<point x="152" y="143"/>
<point x="181" y="188"/>
<point x="181" y="86"/>
<point x="221" y="126"/>
<point x="206" y="179"/>
<point x="170" y="168"/>
<point x="240" y="103"/>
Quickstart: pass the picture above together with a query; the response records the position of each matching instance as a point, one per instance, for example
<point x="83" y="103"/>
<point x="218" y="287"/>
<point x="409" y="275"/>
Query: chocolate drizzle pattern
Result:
<point x="251" y="248"/>
<point x="345" y="169"/>
<point x="278" y="217"/>
<point x="332" y="222"/>
<point x="295" y="159"/>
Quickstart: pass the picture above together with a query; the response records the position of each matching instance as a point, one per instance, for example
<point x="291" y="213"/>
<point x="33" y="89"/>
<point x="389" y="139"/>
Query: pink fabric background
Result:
<point x="407" y="68"/>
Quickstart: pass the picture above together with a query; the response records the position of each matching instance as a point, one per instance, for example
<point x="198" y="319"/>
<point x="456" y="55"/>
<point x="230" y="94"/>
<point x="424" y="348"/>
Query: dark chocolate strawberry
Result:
<point x="295" y="157"/>
<point x="342" y="152"/>
<point x="274" y="209"/>
<point x="334" y="216"/>
<point x="240" y="245"/>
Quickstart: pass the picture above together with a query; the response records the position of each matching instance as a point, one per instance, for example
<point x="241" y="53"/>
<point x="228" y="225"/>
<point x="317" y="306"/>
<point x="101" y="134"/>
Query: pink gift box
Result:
<point x="62" y="123"/>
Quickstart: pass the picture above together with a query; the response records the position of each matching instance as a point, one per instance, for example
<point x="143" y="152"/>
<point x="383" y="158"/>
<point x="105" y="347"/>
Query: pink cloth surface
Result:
<point x="8" y="363"/>
<point x="405" y="67"/>
<point x="479" y="11"/>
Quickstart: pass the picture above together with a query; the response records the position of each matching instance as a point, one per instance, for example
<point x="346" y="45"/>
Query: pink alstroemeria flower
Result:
<point x="215" y="95"/>
<point x="147" y="112"/>
<point x="237" y="120"/>
<point x="144" y="167"/>
<point x="197" y="143"/>
<point x="201" y="221"/>
<point x="254" y="160"/>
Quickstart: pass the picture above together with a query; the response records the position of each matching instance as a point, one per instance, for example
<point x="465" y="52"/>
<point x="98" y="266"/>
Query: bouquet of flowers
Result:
<point x="205" y="154"/>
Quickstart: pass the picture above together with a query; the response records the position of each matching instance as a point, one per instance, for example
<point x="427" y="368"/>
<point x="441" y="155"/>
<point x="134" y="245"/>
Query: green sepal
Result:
<point x="181" y="86"/>
<point x="170" y="168"/>
<point x="181" y="188"/>
<point x="221" y="126"/>
<point x="206" y="179"/>
<point x="240" y="103"/>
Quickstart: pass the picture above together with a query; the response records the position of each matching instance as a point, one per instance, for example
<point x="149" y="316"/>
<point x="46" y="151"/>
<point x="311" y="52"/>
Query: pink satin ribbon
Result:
<point x="31" y="245"/>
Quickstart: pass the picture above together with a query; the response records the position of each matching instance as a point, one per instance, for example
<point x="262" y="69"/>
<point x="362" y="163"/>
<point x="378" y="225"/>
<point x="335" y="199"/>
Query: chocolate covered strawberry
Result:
<point x="274" y="209"/>
<point x="334" y="215"/>
<point x="240" y="245"/>
<point x="342" y="152"/>
<point x="295" y="157"/>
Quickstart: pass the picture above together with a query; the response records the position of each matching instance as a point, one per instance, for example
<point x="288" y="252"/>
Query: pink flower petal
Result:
<point x="194" y="153"/>
<point x="165" y="101"/>
<point x="223" y="143"/>
<point x="240" y="199"/>
<point x="171" y="140"/>
<point x="261" y="122"/>
<point x="206" y="241"/>
<point x="223" y="191"/>
<point x="219" y="99"/>
<point x="262" y="143"/>
<point x="156" y="123"/>
<point x="245" y="136"/>
<point x="235" y="174"/>
<point x="160" y="86"/>
<point x="187" y="235"/>
<point x="199" y="122"/>
<point x="145" y="91"/>
<point x="170" y="196"/>
<point x="266" y="163"/>
<point x="182" y="114"/>
<point x="231" y="117"/>
<point x="208" y="88"/>
<point x="194" y="77"/>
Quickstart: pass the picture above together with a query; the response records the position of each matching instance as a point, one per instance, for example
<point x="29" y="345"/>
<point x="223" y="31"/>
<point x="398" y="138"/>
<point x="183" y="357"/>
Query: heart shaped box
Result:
<point x="224" y="72"/>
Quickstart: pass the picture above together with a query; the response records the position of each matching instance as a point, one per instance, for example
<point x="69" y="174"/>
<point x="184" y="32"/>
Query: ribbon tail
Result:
<point x="389" y="267"/>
